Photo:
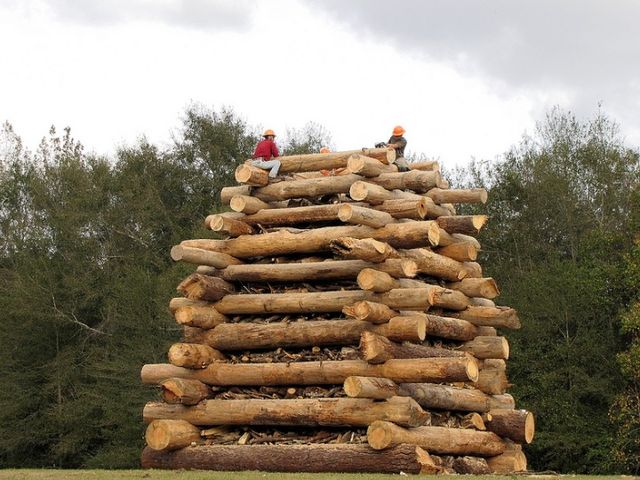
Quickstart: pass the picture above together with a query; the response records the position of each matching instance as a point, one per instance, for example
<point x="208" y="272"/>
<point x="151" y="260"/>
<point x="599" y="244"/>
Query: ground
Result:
<point x="200" y="475"/>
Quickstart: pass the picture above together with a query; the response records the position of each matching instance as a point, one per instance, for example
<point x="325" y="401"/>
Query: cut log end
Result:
<point x="379" y="435"/>
<point x="171" y="434"/>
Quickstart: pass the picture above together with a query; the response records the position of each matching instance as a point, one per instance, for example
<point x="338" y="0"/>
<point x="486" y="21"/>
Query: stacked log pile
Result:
<point x="343" y="324"/>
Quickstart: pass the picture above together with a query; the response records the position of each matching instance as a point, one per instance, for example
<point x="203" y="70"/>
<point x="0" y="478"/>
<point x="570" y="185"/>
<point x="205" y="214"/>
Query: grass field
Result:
<point x="200" y="475"/>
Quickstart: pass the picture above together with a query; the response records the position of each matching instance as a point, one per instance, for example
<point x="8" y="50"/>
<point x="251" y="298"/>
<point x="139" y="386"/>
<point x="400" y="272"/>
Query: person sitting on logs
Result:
<point x="398" y="143"/>
<point x="265" y="151"/>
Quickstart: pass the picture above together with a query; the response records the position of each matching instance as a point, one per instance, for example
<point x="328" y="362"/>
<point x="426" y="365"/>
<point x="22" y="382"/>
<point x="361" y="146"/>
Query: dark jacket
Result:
<point x="402" y="142"/>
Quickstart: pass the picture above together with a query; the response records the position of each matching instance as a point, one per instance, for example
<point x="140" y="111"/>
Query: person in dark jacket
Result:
<point x="398" y="142"/>
<point x="265" y="151"/>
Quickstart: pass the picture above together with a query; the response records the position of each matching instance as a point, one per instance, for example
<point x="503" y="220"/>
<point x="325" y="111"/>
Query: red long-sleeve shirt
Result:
<point x="266" y="149"/>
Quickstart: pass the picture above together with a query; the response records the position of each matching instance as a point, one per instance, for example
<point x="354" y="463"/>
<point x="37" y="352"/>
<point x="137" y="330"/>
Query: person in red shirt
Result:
<point x="265" y="151"/>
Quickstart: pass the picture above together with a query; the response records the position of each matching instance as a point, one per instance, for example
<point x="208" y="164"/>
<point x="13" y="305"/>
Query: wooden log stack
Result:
<point x="337" y="321"/>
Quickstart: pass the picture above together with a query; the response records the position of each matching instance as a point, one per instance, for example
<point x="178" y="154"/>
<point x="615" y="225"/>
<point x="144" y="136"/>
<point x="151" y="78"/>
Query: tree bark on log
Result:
<point x="199" y="256"/>
<point x="203" y="287"/>
<point x="303" y="271"/>
<point x="276" y="217"/>
<point x="483" y="347"/>
<point x="247" y="204"/>
<point x="471" y="466"/>
<point x="473" y="269"/>
<point x="182" y="391"/>
<point x="461" y="251"/>
<point x="357" y="215"/>
<point x="467" y="224"/>
<point x="250" y="175"/>
<point x="310" y="412"/>
<point x="370" y="312"/>
<point x="308" y="188"/>
<point x="504" y="317"/>
<point x="171" y="434"/>
<point x="481" y="302"/>
<point x="180" y="302"/>
<point x="443" y="397"/>
<point x="470" y="195"/>
<point x="314" y="162"/>
<point x="450" y="299"/>
<point x="416" y="180"/>
<point x="317" y="373"/>
<point x="246" y="335"/>
<point x="476" y="287"/>
<point x="193" y="355"/>
<point x="199" y="316"/>
<point x="434" y="210"/>
<point x="435" y="264"/>
<point x="450" y="328"/>
<point x="366" y="249"/>
<point x="370" y="387"/>
<point x="373" y="194"/>
<point x="492" y="378"/>
<point x="283" y="242"/>
<point x="341" y="458"/>
<point x="378" y="349"/>
<point x="516" y="425"/>
<point x="325" y="302"/>
<point x="402" y="208"/>
<point x="447" y="441"/>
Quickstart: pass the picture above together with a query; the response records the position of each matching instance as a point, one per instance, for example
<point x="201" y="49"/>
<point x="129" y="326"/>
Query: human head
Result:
<point x="325" y="150"/>
<point x="269" y="134"/>
<point x="398" y="131"/>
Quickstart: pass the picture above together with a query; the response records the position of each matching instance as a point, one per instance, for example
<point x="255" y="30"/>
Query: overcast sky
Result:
<point x="465" y="78"/>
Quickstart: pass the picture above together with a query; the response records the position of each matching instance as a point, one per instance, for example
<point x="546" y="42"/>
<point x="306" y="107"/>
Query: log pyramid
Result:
<point x="343" y="325"/>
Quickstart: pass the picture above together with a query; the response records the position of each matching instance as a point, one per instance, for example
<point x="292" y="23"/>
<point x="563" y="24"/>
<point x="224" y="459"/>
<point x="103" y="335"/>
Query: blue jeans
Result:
<point x="272" y="165"/>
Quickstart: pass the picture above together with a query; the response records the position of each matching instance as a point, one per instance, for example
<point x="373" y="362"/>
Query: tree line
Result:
<point x="86" y="278"/>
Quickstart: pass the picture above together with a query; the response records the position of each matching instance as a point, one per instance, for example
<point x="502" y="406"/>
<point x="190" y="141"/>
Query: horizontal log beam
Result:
<point x="444" y="397"/>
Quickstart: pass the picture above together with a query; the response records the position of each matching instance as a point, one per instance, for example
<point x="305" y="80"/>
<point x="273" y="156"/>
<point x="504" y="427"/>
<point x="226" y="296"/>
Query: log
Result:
<point x="476" y="287"/>
<point x="306" y="188"/>
<point x="203" y="287"/>
<point x="447" y="298"/>
<point x="378" y="349"/>
<point x="317" y="373"/>
<point x="227" y="193"/>
<point x="416" y="180"/>
<point x="180" y="302"/>
<point x="473" y="420"/>
<point x="370" y="312"/>
<point x="442" y="440"/>
<point x="319" y="302"/>
<point x="487" y="331"/>
<point x="487" y="347"/>
<point x="404" y="208"/>
<point x="376" y="194"/>
<point x="230" y="226"/>
<point x="471" y="466"/>
<point x="466" y="195"/>
<point x="516" y="425"/>
<point x="467" y="224"/>
<point x="275" y="217"/>
<point x="460" y="251"/>
<point x="511" y="461"/>
<point x="182" y="391"/>
<point x="247" y="204"/>
<point x="347" y="458"/>
<point x="366" y="249"/>
<point x="367" y="166"/>
<point x="481" y="302"/>
<point x="171" y="434"/>
<point x="443" y="397"/>
<point x="328" y="161"/>
<point x="199" y="316"/>
<point x="505" y="317"/>
<point x="357" y="215"/>
<point x="434" y="210"/>
<point x="199" y="256"/>
<point x="435" y="264"/>
<point x="473" y="269"/>
<point x="250" y="175"/>
<point x="326" y="270"/>
<point x="492" y="378"/>
<point x="376" y="281"/>
<point x="246" y="335"/>
<point x="429" y="165"/>
<point x="450" y="328"/>
<point x="370" y="387"/>
<point x="283" y="242"/>
<point x="310" y="412"/>
<point x="192" y="355"/>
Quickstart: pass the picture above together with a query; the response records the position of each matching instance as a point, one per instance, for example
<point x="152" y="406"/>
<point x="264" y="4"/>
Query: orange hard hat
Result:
<point x="268" y="133"/>
<point x="398" y="130"/>
<point x="325" y="150"/>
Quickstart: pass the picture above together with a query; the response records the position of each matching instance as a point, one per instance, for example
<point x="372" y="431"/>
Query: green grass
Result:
<point x="44" y="474"/>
